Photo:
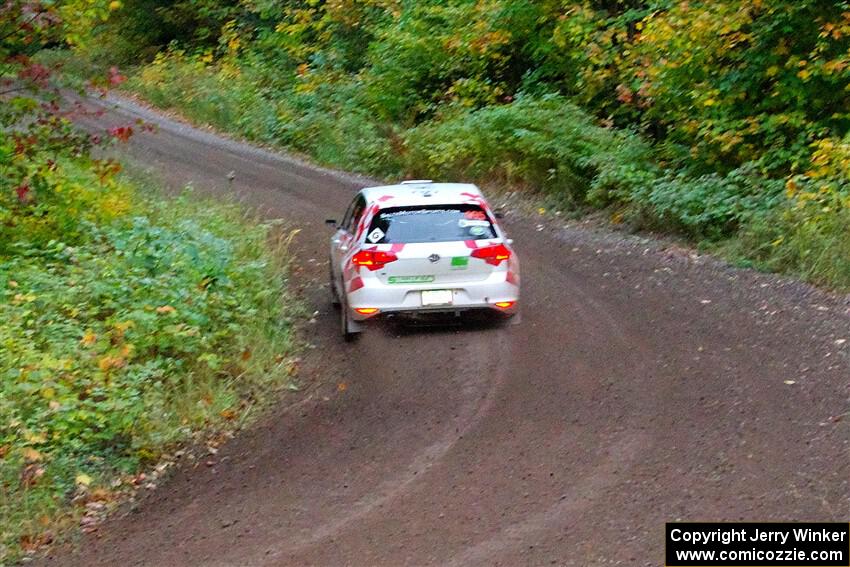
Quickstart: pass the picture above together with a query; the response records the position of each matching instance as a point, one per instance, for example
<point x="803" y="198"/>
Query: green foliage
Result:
<point x="805" y="237"/>
<point x="709" y="206"/>
<point x="736" y="81"/>
<point x="717" y="105"/>
<point x="547" y="143"/>
<point x="130" y="325"/>
<point x="325" y="121"/>
<point x="139" y="29"/>
<point x="61" y="200"/>
<point x="148" y="328"/>
<point x="468" y="53"/>
<point x="224" y="99"/>
<point x="37" y="139"/>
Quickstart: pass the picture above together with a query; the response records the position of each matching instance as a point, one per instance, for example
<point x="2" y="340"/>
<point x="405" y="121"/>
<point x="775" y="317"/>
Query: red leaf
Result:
<point x="23" y="192"/>
<point x="115" y="77"/>
<point x="121" y="133"/>
<point x="624" y="94"/>
<point x="36" y="73"/>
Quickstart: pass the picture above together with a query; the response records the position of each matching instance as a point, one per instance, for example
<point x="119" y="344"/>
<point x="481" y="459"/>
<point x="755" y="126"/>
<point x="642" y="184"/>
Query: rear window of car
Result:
<point x="434" y="223"/>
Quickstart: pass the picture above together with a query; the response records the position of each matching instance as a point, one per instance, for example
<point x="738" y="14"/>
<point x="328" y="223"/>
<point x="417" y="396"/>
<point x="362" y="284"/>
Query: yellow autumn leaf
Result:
<point x="122" y="326"/>
<point x="165" y="309"/>
<point x="790" y="187"/>
<point x="31" y="455"/>
<point x="83" y="479"/>
<point x="109" y="362"/>
<point x="35" y="438"/>
<point x="115" y="5"/>
<point x="89" y="338"/>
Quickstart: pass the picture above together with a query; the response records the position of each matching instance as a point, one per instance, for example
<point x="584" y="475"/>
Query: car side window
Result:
<point x="355" y="211"/>
<point x="346" y="220"/>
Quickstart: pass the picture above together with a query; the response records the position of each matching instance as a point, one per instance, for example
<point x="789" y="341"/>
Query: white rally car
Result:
<point x="420" y="247"/>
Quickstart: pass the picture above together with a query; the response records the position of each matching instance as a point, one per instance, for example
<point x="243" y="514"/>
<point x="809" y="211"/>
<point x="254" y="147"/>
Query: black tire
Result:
<point x="334" y="295"/>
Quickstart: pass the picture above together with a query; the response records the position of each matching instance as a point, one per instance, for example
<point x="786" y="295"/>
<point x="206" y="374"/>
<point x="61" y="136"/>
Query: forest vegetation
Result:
<point x="133" y="322"/>
<point x="723" y="121"/>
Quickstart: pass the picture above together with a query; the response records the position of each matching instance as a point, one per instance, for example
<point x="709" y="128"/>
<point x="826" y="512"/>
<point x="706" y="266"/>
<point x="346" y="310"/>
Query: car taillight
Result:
<point x="366" y="310"/>
<point x="373" y="259"/>
<point x="504" y="304"/>
<point x="493" y="255"/>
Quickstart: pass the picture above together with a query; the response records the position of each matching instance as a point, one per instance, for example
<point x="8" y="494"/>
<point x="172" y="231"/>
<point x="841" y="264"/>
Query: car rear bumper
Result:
<point x="407" y="299"/>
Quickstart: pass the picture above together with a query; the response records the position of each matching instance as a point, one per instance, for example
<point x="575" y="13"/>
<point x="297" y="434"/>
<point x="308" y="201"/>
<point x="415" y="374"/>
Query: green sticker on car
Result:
<point x="410" y="279"/>
<point x="460" y="262"/>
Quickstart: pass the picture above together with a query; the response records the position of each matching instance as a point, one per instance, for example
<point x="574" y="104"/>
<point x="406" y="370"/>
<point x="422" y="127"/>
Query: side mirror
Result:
<point x="509" y="241"/>
<point x="331" y="222"/>
<point x="499" y="214"/>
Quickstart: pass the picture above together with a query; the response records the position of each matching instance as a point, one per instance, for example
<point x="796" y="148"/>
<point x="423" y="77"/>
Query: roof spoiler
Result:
<point x="416" y="182"/>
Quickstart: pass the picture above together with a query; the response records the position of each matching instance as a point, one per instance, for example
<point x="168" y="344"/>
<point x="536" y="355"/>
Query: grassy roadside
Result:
<point x="148" y="323"/>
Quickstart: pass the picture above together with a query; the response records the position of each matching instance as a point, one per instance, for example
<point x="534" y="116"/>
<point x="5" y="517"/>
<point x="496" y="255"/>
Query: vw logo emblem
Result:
<point x="434" y="258"/>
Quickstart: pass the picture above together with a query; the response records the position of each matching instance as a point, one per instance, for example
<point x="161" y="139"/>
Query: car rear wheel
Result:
<point x="334" y="295"/>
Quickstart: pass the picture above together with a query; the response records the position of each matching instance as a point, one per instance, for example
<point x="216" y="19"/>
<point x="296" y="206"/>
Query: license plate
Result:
<point x="437" y="297"/>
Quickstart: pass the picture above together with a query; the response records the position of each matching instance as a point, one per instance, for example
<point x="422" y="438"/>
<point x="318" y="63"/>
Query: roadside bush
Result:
<point x="323" y="120"/>
<point x="123" y="341"/>
<point x="807" y="235"/>
<point x="709" y="206"/>
<point x="328" y="122"/>
<point x="546" y="143"/>
<point x="549" y="144"/>
<point x="131" y="325"/>
<point x="59" y="203"/>
<point x="217" y="95"/>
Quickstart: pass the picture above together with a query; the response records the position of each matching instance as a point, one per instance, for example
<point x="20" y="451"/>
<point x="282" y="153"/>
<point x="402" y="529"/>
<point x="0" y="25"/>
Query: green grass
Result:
<point x="814" y="248"/>
<point x="170" y="320"/>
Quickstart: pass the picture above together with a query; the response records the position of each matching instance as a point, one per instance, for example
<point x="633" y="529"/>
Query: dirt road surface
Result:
<point x="645" y="384"/>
